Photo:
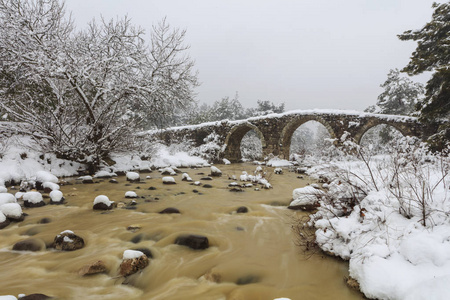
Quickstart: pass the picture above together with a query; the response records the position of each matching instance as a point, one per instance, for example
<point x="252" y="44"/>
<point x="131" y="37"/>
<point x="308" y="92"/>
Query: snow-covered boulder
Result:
<point x="168" y="180"/>
<point x="185" y="177"/>
<point x="86" y="179"/>
<point x="132" y="262"/>
<point x="7" y="198"/>
<point x="33" y="199"/>
<point x="50" y="186"/>
<point x="3" y="189"/>
<point x="12" y="211"/>
<point x="215" y="171"/>
<point x="226" y="161"/>
<point x="131" y="194"/>
<point x="104" y="174"/>
<point x="56" y="197"/>
<point x="168" y="171"/>
<point x="305" y="198"/>
<point x="133" y="177"/>
<point x="102" y="202"/>
<point x="68" y="241"/>
<point x="44" y="176"/>
<point x="278" y="171"/>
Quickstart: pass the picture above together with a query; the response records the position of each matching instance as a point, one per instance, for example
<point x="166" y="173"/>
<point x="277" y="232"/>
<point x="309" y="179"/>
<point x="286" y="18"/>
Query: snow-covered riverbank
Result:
<point x="390" y="217"/>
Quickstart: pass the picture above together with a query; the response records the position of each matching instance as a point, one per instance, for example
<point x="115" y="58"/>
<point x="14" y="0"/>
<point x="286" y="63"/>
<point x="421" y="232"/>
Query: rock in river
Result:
<point x="68" y="241"/>
<point x="193" y="241"/>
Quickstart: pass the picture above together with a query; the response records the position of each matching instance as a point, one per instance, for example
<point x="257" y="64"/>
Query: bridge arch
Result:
<point x="289" y="129"/>
<point x="234" y="139"/>
<point x="375" y="122"/>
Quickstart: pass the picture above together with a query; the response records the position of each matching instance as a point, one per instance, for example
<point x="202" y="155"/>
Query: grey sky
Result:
<point x="305" y="53"/>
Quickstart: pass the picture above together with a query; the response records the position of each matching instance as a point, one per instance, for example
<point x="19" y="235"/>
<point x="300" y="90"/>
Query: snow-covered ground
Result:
<point x="21" y="160"/>
<point x="390" y="217"/>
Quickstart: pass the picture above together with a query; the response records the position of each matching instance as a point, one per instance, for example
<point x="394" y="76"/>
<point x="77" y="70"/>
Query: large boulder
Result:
<point x="12" y="211"/>
<point x="33" y="199"/>
<point x="193" y="241"/>
<point x="68" y="241"/>
<point x="30" y="244"/>
<point x="132" y="262"/>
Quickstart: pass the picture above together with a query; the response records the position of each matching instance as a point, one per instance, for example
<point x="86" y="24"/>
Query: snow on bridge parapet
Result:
<point x="276" y="130"/>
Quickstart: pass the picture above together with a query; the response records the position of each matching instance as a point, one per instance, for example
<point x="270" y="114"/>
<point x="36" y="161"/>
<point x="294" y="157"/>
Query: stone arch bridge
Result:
<point x="275" y="130"/>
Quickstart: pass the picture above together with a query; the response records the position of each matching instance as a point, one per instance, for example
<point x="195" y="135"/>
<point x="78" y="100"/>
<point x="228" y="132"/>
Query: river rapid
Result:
<point x="251" y="255"/>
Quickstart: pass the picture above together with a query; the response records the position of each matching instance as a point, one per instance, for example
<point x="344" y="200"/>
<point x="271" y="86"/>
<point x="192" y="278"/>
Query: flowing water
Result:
<point x="251" y="255"/>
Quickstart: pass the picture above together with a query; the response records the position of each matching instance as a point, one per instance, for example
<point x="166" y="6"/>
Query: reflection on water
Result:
<point x="251" y="256"/>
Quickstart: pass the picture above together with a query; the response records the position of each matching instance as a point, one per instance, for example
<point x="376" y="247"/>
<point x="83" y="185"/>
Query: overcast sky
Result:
<point x="305" y="53"/>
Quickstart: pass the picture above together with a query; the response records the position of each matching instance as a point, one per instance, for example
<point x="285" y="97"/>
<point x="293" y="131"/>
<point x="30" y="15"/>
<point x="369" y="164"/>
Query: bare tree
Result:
<point x="87" y="91"/>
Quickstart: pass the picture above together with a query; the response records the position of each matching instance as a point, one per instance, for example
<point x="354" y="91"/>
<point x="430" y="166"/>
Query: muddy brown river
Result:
<point x="251" y="255"/>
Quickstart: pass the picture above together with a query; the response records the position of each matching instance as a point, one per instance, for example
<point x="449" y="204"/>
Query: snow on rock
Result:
<point x="277" y="162"/>
<point x="133" y="261"/>
<point x="186" y="177"/>
<point x="168" y="171"/>
<point x="12" y="211"/>
<point x="102" y="202"/>
<point x="215" y="171"/>
<point x="33" y="199"/>
<point x="56" y="196"/>
<point x="131" y="194"/>
<point x="3" y="189"/>
<point x="44" y="176"/>
<point x="168" y="180"/>
<point x="50" y="186"/>
<point x="86" y="179"/>
<point x="305" y="198"/>
<point x="130" y="254"/>
<point x="226" y="161"/>
<point x="133" y="176"/>
<point x="8" y="297"/>
<point x="104" y="174"/>
<point x="7" y="198"/>
<point x="278" y="171"/>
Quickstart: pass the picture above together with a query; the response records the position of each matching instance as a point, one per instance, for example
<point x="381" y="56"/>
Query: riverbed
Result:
<point x="251" y="255"/>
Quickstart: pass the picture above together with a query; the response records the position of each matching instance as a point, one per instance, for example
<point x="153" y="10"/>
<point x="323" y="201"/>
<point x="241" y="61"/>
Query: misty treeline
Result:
<point x="87" y="91"/>
<point x="224" y="109"/>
